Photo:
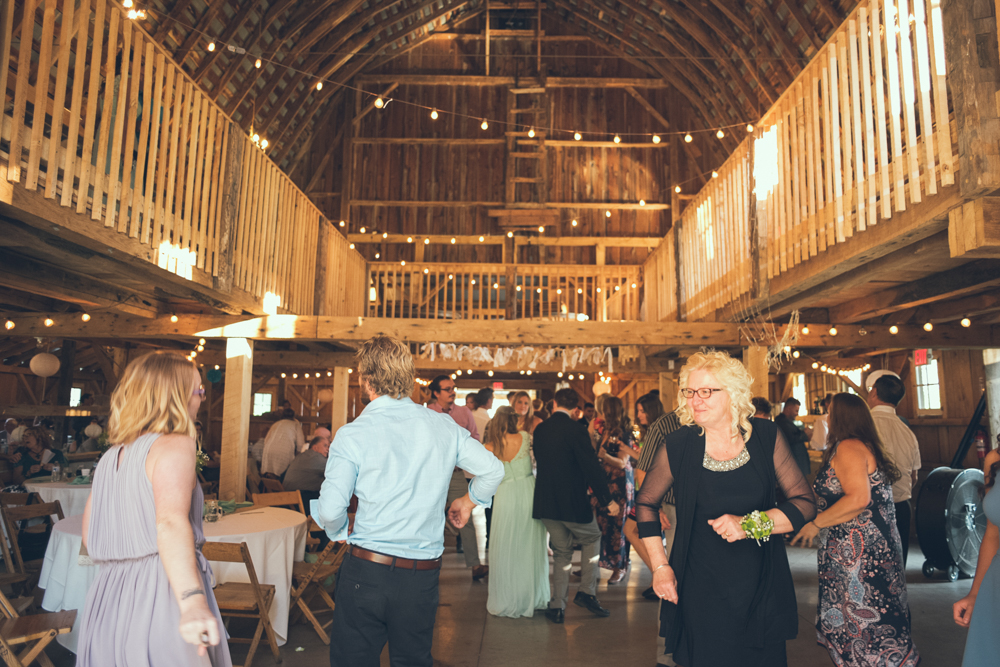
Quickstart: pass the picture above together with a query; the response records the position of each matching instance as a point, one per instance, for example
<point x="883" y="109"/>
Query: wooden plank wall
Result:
<point x="504" y="291"/>
<point x="145" y="150"/>
<point x="862" y="135"/>
<point x="660" y="291"/>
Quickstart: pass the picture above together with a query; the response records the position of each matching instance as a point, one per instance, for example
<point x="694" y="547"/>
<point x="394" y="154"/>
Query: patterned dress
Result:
<point x="621" y="483"/>
<point x="863" y="617"/>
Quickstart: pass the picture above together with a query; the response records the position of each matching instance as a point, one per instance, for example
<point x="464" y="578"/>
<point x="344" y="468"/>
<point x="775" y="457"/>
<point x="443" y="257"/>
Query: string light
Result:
<point x="257" y="64"/>
<point x="482" y="238"/>
<point x="720" y="134"/>
<point x="352" y="246"/>
<point x="656" y="138"/>
<point x="201" y="341"/>
<point x="928" y="327"/>
<point x="510" y="235"/>
<point x="749" y="127"/>
<point x="385" y="235"/>
<point x="796" y="354"/>
<point x="378" y="255"/>
<point x="379" y="102"/>
<point x="484" y="125"/>
<point x="815" y="364"/>
<point x="618" y="139"/>
<point x="642" y="202"/>
<point x="409" y="239"/>
<point x="966" y="322"/>
<point x="607" y="214"/>
<point x="715" y="174"/>
<point x="805" y="330"/>
<point x="541" y="229"/>
<point x="263" y="143"/>
<point x="677" y="189"/>
<point x="833" y="331"/>
<point x="211" y="47"/>
<point x="362" y="230"/>
<point x="127" y="4"/>
<point x="427" y="241"/>
<point x="576" y="135"/>
<point x="9" y="324"/>
<point x="574" y="223"/>
<point x="343" y="224"/>
<point x="284" y="375"/>
<point x="490" y="373"/>
<point x="531" y="132"/>
<point x="319" y="85"/>
<point x="85" y="317"/>
<point x="688" y="138"/>
<point x="434" y="114"/>
<point x="173" y="318"/>
<point x="402" y="262"/>
<point x="453" y="241"/>
<point x="894" y="330"/>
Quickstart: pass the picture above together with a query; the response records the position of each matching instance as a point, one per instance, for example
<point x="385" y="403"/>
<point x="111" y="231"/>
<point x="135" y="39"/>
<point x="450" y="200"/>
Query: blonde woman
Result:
<point x="526" y="419"/>
<point x="152" y="602"/>
<point x="728" y="596"/>
<point x="519" y="564"/>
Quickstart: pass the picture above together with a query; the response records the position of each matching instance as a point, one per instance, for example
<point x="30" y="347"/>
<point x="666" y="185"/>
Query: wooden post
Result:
<point x="352" y="102"/>
<point x="338" y="407"/>
<point x="231" y="176"/>
<point x="668" y="391"/>
<point x="970" y="40"/>
<point x="755" y="360"/>
<point x="511" y="293"/>
<point x="600" y="254"/>
<point x="236" y="412"/>
<point x="323" y="258"/>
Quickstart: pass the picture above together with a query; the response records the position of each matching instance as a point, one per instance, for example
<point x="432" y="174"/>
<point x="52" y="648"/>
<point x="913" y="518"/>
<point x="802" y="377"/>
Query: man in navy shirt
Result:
<point x="397" y="457"/>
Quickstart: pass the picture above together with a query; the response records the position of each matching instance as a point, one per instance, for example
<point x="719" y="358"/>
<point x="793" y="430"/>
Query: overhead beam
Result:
<point x="416" y="203"/>
<point x="411" y="79"/>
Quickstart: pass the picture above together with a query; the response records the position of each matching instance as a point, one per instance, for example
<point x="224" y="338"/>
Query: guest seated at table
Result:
<point x="306" y="472"/>
<point x="152" y="602"/>
<point x="35" y="458"/>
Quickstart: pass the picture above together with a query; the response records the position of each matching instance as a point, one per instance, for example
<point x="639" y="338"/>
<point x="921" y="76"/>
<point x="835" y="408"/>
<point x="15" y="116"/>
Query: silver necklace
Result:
<point x="737" y="461"/>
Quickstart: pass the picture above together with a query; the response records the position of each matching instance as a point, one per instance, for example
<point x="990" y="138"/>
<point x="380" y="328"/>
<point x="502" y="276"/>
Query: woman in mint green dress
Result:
<point x="519" y="563"/>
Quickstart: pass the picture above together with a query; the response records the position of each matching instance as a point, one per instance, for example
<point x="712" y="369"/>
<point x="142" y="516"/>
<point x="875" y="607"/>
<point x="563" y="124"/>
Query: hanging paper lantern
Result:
<point x="214" y="376"/>
<point x="325" y="395"/>
<point x="44" y="364"/>
<point x="601" y="388"/>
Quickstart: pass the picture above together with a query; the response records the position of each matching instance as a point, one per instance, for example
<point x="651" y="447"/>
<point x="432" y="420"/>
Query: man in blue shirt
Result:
<point x="397" y="457"/>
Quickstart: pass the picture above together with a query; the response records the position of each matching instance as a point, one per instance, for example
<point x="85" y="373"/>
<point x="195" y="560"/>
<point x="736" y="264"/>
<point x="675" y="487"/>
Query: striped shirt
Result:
<point x="655" y="436"/>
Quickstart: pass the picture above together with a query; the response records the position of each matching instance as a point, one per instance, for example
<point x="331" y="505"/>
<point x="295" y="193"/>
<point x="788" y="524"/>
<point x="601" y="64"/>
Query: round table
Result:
<point x="275" y="537"/>
<point x="72" y="497"/>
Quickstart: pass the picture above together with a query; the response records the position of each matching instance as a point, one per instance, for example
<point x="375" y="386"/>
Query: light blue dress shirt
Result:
<point x="398" y="458"/>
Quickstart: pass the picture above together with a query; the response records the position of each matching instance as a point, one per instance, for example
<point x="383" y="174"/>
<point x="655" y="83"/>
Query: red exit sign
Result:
<point x="498" y="386"/>
<point x="920" y="357"/>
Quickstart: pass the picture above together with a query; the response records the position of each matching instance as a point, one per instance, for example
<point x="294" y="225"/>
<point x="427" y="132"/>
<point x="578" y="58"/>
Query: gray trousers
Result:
<point x="562" y="535"/>
<point x="459" y="487"/>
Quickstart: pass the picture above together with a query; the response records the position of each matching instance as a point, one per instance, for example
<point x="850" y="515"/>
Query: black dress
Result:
<point x="736" y="600"/>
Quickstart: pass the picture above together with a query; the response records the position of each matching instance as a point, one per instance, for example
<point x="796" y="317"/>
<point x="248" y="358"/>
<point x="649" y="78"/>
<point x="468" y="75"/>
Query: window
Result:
<point x="261" y="404"/>
<point x="928" y="386"/>
<point x="75" y="396"/>
<point x="799" y="389"/>
<point x="855" y="377"/>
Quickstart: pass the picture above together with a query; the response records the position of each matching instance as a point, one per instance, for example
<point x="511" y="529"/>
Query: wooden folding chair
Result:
<point x="238" y="600"/>
<point x="253" y="476"/>
<point x="293" y="501"/>
<point x="35" y="632"/>
<point x="307" y="583"/>
<point x="271" y="485"/>
<point x="14" y="515"/>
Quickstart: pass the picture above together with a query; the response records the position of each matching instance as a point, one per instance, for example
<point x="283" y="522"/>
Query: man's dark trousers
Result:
<point x="903" y="516"/>
<point x="378" y="604"/>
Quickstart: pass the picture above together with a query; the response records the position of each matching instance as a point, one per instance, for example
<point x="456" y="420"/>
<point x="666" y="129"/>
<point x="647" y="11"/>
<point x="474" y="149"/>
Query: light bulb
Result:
<point x="385" y="235"/>
<point x="295" y="376"/>
<point x="966" y="322"/>
<point x="796" y="354"/>
<point x="715" y="174"/>
<point x="427" y="241"/>
<point x="453" y="240"/>
<point x="434" y="114"/>
<point x="201" y="348"/>
<point x="642" y="202"/>
<point x="257" y="64"/>
<point x="484" y="125"/>
<point x="577" y="136"/>
<point x="607" y="214"/>
<point x="352" y="246"/>
<point x="329" y="374"/>
<point x="211" y="46"/>
<point x="677" y="189"/>
<point x="928" y="327"/>
<point x="833" y="331"/>
<point x="201" y="341"/>
<point x="805" y="330"/>
<point x="379" y="103"/>
<point x="749" y="127"/>
<point x="409" y="239"/>
<point x="720" y="134"/>
<point x="688" y="138"/>
<point x="482" y="238"/>
<point x="255" y="138"/>
<point x="263" y="143"/>
<point x="815" y="364"/>
<point x="559" y="374"/>
<point x="378" y="255"/>
<point x="8" y="325"/>
<point x="402" y="262"/>
<point x="127" y="4"/>
<point x="618" y="139"/>
<point x="173" y="318"/>
<point x="427" y="270"/>
<point x="531" y="132"/>
<point x="570" y="376"/>
<point x="656" y="138"/>
<point x="132" y="14"/>
<point x="574" y="223"/>
<point x="541" y="229"/>
<point x="510" y="235"/>
<point x="490" y="373"/>
<point x="342" y="223"/>
<point x="85" y="317"/>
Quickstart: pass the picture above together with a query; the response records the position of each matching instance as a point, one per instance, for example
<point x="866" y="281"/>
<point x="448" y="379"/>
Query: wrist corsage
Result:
<point x="758" y="526"/>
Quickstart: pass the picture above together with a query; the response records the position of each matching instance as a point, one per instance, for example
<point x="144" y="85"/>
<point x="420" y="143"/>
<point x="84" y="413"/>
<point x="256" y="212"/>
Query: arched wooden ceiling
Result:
<point x="730" y="59"/>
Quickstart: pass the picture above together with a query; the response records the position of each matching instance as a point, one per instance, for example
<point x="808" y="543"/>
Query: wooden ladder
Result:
<point x="527" y="112"/>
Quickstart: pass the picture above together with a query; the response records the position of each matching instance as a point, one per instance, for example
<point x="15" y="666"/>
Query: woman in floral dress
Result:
<point x="863" y="616"/>
<point x="614" y="435"/>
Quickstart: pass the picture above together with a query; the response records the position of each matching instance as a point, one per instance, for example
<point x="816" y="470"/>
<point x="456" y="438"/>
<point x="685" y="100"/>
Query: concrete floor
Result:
<point x="466" y="636"/>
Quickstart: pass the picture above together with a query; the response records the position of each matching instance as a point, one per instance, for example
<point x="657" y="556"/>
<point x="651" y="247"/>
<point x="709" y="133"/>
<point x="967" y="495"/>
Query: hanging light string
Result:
<point x="379" y="102"/>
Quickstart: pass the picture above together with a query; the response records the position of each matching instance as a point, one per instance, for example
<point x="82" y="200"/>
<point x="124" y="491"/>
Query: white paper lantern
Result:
<point x="601" y="388"/>
<point x="44" y="364"/>
<point x="325" y="395"/>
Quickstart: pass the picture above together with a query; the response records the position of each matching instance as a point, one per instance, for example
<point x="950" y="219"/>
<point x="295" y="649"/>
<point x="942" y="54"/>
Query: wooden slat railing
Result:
<point x="104" y="122"/>
<point x="505" y="291"/>
<point x="862" y="134"/>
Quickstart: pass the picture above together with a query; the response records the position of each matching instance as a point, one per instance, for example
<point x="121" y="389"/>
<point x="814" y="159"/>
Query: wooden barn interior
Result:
<point x="531" y="194"/>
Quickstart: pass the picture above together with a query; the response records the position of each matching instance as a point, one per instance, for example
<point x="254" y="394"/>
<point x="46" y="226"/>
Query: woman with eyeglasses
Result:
<point x="727" y="588"/>
<point x="152" y="602"/>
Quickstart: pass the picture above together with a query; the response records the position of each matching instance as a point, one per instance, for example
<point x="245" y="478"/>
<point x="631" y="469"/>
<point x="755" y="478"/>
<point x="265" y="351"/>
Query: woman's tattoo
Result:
<point x="191" y="593"/>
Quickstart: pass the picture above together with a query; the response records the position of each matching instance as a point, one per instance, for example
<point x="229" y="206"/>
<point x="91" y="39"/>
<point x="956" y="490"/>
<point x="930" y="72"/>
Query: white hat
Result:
<point x="875" y="375"/>
<point x="17" y="435"/>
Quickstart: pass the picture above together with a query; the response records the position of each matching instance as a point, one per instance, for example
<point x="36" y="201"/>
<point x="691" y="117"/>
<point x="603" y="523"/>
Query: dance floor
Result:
<point x="466" y="636"/>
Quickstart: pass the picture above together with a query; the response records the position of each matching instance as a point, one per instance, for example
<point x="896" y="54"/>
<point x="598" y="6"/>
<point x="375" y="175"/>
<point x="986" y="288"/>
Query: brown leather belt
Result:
<point x="395" y="561"/>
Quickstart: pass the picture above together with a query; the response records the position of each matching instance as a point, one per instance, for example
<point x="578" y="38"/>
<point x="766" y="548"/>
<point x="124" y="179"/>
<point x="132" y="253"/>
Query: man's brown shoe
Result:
<point x="480" y="571"/>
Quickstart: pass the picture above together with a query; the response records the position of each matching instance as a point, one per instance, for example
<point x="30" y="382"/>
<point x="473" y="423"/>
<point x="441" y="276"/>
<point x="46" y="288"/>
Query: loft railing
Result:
<point x="107" y="125"/>
<point x="504" y="291"/>
<point x="861" y="135"/>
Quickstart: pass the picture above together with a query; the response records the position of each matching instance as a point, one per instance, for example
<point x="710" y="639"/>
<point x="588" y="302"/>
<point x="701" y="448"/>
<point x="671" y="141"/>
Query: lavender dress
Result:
<point x="131" y="617"/>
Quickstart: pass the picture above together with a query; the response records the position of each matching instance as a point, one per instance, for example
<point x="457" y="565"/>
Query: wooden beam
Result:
<point x="755" y="360"/>
<point x="413" y="79"/>
<point x="341" y="388"/>
<point x="237" y="408"/>
<point x="668" y="391"/>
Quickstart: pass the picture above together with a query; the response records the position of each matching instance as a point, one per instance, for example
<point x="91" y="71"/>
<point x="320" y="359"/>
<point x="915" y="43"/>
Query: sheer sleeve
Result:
<point x="658" y="481"/>
<point x="800" y="500"/>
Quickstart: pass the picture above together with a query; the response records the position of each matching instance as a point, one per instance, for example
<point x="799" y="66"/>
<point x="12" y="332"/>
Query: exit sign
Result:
<point x="920" y="357"/>
<point x="498" y="386"/>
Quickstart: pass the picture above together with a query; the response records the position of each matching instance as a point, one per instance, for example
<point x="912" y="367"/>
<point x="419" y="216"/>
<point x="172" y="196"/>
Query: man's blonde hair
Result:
<point x="732" y="376"/>
<point x="152" y="397"/>
<point x="386" y="366"/>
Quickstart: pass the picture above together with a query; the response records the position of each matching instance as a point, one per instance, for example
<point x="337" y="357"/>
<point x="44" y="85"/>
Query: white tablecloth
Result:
<point x="275" y="537"/>
<point x="72" y="497"/>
